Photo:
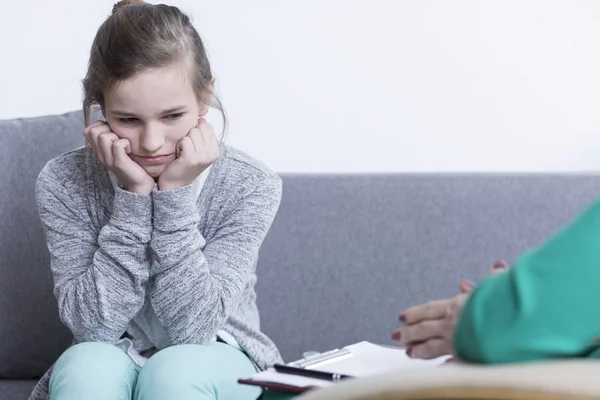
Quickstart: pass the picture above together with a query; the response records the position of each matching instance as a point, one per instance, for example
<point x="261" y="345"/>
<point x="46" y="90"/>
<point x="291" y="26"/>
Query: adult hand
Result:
<point x="195" y="152"/>
<point x="467" y="286"/>
<point x="113" y="153"/>
<point x="428" y="330"/>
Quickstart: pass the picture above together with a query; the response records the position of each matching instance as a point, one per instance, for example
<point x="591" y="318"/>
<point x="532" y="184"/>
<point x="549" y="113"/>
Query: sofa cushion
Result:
<point x="16" y="389"/>
<point x="31" y="335"/>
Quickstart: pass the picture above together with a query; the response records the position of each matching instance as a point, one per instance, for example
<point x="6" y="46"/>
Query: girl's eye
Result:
<point x="174" y="116"/>
<point x="127" y="120"/>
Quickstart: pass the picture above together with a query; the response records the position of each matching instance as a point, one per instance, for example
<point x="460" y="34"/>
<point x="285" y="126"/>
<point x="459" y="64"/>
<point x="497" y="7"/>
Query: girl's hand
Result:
<point x="113" y="153"/>
<point x="195" y="152"/>
<point x="429" y="328"/>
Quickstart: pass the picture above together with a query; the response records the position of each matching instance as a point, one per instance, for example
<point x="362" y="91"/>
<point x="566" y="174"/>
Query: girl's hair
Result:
<point x="138" y="36"/>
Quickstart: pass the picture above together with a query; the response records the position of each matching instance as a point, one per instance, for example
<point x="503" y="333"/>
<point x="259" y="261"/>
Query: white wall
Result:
<point x="359" y="85"/>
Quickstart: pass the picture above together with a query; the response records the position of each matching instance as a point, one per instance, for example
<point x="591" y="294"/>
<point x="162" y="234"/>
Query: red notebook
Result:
<point x="278" y="386"/>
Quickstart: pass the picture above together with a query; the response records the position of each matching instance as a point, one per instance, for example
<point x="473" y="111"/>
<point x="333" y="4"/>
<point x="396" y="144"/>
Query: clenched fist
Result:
<point x="195" y="153"/>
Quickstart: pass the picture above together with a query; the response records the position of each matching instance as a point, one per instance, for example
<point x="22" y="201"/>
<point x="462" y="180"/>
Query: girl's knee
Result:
<point x="169" y="367"/>
<point x="194" y="371"/>
<point x="93" y="370"/>
<point x="92" y="354"/>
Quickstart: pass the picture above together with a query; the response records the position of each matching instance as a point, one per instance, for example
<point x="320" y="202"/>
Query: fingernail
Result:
<point x="500" y="265"/>
<point x="402" y="318"/>
<point x="396" y="336"/>
<point x="201" y="120"/>
<point x="409" y="352"/>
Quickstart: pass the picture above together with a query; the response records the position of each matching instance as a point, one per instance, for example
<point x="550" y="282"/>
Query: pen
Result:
<point x="309" y="373"/>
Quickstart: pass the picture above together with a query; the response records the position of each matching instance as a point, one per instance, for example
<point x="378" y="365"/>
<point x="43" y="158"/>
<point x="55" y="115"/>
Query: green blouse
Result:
<point x="546" y="306"/>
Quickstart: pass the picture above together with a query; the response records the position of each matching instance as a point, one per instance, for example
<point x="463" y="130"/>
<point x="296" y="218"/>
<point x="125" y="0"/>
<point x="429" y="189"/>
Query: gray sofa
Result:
<point x="345" y="255"/>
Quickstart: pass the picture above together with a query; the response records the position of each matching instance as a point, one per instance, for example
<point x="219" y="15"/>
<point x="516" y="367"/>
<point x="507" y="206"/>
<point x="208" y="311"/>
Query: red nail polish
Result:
<point x="409" y="352"/>
<point x="402" y="318"/>
<point x="499" y="265"/>
<point x="396" y="336"/>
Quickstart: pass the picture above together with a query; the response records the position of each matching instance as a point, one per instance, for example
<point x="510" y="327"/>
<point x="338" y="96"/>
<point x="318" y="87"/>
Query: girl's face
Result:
<point x="154" y="110"/>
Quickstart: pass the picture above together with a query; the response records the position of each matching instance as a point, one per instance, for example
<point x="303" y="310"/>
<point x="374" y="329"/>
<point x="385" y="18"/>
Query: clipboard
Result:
<point x="355" y="361"/>
<point x="307" y="362"/>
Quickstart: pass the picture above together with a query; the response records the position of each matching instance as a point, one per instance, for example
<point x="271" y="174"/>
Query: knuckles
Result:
<point x="106" y="137"/>
<point x="206" y="157"/>
<point x="95" y="130"/>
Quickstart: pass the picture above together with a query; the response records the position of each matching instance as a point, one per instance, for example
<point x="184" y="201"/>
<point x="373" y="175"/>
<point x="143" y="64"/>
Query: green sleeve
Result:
<point x="546" y="306"/>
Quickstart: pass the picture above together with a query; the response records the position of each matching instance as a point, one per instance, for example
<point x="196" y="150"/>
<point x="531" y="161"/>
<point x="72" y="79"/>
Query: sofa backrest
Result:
<point x="31" y="335"/>
<point x="345" y="255"/>
<point x="348" y="253"/>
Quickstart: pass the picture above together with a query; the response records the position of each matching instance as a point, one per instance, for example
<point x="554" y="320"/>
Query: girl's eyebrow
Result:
<point x="122" y="113"/>
<point x="174" y="110"/>
<point x="168" y="111"/>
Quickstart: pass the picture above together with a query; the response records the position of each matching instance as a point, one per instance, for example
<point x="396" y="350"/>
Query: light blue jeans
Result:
<point x="99" y="371"/>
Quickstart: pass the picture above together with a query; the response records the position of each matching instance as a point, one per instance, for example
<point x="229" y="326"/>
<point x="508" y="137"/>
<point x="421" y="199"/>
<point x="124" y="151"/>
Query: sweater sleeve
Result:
<point x="546" y="306"/>
<point x="99" y="278"/>
<point x="195" y="285"/>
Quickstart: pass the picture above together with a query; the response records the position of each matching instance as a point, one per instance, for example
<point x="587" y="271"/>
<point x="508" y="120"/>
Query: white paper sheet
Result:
<point x="370" y="359"/>
<point x="367" y="359"/>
